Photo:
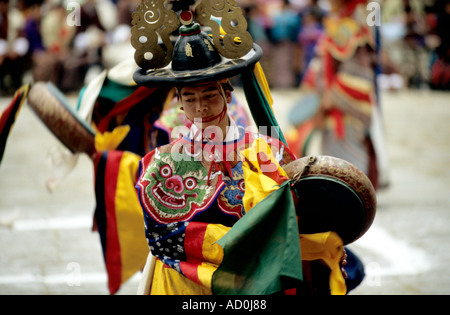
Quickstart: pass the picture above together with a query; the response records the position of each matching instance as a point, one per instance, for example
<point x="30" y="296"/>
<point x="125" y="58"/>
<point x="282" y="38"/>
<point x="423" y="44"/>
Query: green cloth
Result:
<point x="262" y="250"/>
<point x="111" y="90"/>
<point x="259" y="106"/>
<point x="116" y="91"/>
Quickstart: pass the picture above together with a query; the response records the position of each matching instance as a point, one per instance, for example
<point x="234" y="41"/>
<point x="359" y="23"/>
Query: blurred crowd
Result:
<point x="69" y="41"/>
<point x="414" y="40"/>
<point x="64" y="42"/>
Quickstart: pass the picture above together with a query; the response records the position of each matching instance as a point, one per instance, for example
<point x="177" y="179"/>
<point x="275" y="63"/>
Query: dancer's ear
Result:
<point x="229" y="96"/>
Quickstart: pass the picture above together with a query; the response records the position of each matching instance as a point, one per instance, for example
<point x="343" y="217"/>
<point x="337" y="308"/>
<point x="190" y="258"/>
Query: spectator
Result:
<point x="415" y="55"/>
<point x="97" y="18"/>
<point x="309" y="35"/>
<point x="259" y="26"/>
<point x="125" y="10"/>
<point x="286" y="27"/>
<point x="42" y="64"/>
<point x="13" y="48"/>
<point x="440" y="72"/>
<point x="57" y="36"/>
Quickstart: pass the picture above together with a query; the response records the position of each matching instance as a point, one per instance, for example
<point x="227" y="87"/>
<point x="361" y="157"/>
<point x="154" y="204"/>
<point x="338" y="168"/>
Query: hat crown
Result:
<point x="155" y="21"/>
<point x="194" y="50"/>
<point x="224" y="50"/>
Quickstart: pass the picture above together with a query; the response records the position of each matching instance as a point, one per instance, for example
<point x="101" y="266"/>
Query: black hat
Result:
<point x="196" y="57"/>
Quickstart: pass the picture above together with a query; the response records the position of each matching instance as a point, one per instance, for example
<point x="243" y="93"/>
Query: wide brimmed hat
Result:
<point x="212" y="42"/>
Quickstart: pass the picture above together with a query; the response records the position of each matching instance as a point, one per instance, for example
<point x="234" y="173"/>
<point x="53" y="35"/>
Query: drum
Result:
<point x="333" y="195"/>
<point x="53" y="109"/>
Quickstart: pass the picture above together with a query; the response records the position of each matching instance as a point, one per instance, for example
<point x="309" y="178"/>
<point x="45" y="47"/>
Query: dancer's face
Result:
<point x="205" y="103"/>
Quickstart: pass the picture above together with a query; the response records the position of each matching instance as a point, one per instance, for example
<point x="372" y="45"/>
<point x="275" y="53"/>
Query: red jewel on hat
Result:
<point x="186" y="17"/>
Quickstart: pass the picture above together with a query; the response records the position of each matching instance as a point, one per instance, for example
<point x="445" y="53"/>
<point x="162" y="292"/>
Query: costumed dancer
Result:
<point x="341" y="102"/>
<point x="218" y="207"/>
<point x="192" y="190"/>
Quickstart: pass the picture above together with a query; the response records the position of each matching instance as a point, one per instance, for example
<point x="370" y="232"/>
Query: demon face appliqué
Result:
<point x="175" y="190"/>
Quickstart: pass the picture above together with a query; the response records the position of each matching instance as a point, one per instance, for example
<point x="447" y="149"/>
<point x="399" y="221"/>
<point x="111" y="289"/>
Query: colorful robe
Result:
<point x="192" y="193"/>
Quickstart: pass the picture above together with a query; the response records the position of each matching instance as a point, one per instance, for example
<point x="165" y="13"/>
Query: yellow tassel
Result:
<point x="261" y="77"/>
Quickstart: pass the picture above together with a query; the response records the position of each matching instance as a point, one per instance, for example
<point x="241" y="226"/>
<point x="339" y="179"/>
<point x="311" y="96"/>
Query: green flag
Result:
<point x="259" y="107"/>
<point x="262" y="250"/>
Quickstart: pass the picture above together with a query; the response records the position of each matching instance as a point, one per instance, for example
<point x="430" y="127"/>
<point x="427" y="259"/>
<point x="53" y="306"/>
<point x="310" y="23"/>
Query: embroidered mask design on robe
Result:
<point x="175" y="189"/>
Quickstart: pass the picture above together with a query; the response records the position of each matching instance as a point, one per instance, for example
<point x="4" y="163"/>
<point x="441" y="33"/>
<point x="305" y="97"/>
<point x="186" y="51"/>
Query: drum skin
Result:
<point x="52" y="108"/>
<point x="332" y="195"/>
